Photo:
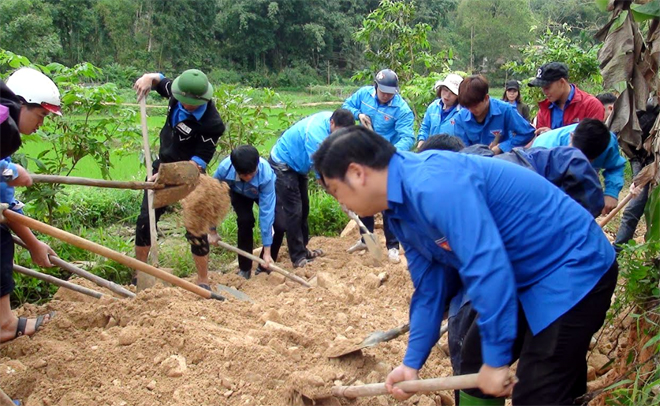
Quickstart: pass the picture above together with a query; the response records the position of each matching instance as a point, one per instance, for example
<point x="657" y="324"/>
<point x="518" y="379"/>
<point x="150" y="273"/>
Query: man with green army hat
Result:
<point x="190" y="133"/>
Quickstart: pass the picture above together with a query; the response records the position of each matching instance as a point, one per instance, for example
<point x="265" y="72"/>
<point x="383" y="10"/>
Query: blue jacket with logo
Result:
<point x="512" y="236"/>
<point x="437" y="121"/>
<point x="261" y="187"/>
<point x="297" y="144"/>
<point x="610" y="161"/>
<point x="393" y="121"/>
<point x="502" y="119"/>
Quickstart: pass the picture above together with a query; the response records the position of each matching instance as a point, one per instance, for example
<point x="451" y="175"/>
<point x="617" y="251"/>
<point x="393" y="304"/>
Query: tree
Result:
<point x="26" y="27"/>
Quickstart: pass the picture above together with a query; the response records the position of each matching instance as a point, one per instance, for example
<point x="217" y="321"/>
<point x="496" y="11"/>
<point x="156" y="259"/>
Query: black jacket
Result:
<point x="190" y="137"/>
<point x="10" y="137"/>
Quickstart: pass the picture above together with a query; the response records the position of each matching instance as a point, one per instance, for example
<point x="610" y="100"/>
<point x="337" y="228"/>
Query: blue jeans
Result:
<point x="634" y="210"/>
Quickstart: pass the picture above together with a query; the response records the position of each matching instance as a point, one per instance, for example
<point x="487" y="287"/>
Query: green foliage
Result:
<point x="392" y="40"/>
<point x="325" y="214"/>
<point x="558" y="47"/>
<point x="26" y="27"/>
<point x="638" y="266"/>
<point x="652" y="214"/>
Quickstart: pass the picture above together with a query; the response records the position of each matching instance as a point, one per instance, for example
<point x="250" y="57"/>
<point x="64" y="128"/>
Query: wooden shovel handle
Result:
<point x="58" y="282"/>
<point x="108" y="253"/>
<point x="262" y="262"/>
<point x="81" y="272"/>
<point x="115" y="184"/>
<point x="459" y="382"/>
<point x="614" y="211"/>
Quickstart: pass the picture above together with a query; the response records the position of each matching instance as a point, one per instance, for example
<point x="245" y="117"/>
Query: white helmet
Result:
<point x="35" y="88"/>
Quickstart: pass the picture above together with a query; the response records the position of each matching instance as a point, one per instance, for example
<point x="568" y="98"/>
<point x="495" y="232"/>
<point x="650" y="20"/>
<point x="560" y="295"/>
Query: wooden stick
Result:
<point x="459" y="382"/>
<point x="262" y="262"/>
<point x="116" y="184"/>
<point x="120" y="290"/>
<point x="614" y="211"/>
<point x="153" y="250"/>
<point x="5" y="400"/>
<point x="108" y="253"/>
<point x="58" y="282"/>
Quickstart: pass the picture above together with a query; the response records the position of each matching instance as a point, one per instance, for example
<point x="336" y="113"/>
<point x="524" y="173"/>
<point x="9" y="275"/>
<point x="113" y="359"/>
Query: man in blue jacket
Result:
<point x="488" y="121"/>
<point x="251" y="180"/>
<point x="440" y="115"/>
<point x="381" y="109"/>
<point x="291" y="160"/>
<point x="538" y="269"/>
<point x="600" y="146"/>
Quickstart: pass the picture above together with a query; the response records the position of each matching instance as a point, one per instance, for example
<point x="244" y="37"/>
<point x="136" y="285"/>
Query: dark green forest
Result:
<point x="282" y="43"/>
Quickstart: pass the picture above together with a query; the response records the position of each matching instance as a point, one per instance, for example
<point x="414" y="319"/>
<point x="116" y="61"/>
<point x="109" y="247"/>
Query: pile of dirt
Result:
<point x="170" y="347"/>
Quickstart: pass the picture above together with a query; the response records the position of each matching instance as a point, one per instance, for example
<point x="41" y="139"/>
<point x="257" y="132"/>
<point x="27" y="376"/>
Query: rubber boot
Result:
<point x="468" y="400"/>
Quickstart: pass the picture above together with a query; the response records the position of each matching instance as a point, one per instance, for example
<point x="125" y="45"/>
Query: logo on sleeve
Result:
<point x="443" y="243"/>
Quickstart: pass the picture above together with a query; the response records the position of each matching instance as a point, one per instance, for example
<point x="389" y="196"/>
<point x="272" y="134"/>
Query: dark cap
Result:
<point x="512" y="84"/>
<point x="549" y="73"/>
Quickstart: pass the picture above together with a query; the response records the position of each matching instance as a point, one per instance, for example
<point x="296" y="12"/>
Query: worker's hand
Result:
<point x="541" y="130"/>
<point x="39" y="253"/>
<point x="496" y="149"/>
<point x="400" y="373"/>
<point x="365" y="120"/>
<point x="267" y="258"/>
<point x="153" y="177"/>
<point x="144" y="85"/>
<point x="635" y="190"/>
<point x="610" y="204"/>
<point x="496" y="382"/>
<point x="419" y="145"/>
<point x="214" y="237"/>
<point x="3" y="207"/>
<point x="23" y="179"/>
<point x="199" y="168"/>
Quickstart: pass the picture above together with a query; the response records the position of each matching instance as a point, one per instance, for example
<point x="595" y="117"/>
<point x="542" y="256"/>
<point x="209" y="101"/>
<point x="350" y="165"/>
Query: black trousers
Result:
<point x="245" y="222"/>
<point x="390" y="238"/>
<point x="7" y="283"/>
<point x="552" y="369"/>
<point x="291" y="212"/>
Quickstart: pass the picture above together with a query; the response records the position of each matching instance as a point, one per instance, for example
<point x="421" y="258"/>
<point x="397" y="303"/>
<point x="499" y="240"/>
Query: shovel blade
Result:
<point x="171" y="194"/>
<point x="373" y="246"/>
<point x="177" y="173"/>
<point x="233" y="292"/>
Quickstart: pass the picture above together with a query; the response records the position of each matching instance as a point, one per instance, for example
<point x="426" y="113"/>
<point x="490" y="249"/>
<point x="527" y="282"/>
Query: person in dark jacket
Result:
<point x="512" y="96"/>
<point x="191" y="132"/>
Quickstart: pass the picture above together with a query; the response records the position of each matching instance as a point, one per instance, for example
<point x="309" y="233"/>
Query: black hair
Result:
<point x="591" y="136"/>
<point x="342" y="118"/>
<point x="354" y="144"/>
<point x="606" y="98"/>
<point x="506" y="99"/>
<point x="245" y="159"/>
<point x="442" y="142"/>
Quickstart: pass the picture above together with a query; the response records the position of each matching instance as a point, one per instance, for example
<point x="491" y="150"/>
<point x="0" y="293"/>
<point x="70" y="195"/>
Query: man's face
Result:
<point x="448" y="98"/>
<point x="189" y="107"/>
<point x="480" y="110"/>
<point x="247" y="177"/>
<point x="353" y="191"/>
<point x="554" y="91"/>
<point x="384" y="98"/>
<point x="608" y="110"/>
<point x="31" y="118"/>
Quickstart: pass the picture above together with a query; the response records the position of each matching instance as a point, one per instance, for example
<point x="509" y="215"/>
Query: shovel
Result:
<point x="234" y="292"/>
<point x="370" y="238"/>
<point x="458" y="382"/>
<point x="174" y="182"/>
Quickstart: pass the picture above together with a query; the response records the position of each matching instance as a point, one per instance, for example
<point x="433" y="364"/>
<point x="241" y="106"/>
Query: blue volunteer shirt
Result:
<point x="512" y="236"/>
<point x="180" y="114"/>
<point x="437" y="120"/>
<point x="8" y="170"/>
<point x="261" y="187"/>
<point x="502" y="119"/>
<point x="297" y="144"/>
<point x="7" y="193"/>
<point x="556" y="113"/>
<point x="610" y="161"/>
<point x="393" y="121"/>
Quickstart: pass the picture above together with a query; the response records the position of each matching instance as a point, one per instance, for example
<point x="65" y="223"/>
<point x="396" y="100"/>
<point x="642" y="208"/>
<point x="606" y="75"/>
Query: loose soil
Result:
<point x="170" y="347"/>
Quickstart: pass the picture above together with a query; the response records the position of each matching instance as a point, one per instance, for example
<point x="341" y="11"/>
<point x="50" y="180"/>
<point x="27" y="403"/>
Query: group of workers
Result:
<point x="511" y="252"/>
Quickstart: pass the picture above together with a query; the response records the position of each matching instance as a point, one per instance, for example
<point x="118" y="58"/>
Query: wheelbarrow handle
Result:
<point x="116" y="184"/>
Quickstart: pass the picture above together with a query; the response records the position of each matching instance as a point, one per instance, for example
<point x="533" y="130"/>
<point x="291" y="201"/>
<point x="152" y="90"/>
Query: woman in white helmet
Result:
<point x="440" y="115"/>
<point x="28" y="97"/>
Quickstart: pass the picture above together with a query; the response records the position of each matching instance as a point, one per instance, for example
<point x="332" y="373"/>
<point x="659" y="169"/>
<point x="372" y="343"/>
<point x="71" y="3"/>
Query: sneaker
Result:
<point x="358" y="246"/>
<point x="244" y="274"/>
<point x="393" y="255"/>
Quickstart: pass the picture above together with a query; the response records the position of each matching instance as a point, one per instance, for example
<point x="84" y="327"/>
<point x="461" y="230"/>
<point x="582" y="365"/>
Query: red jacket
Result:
<point x="582" y="106"/>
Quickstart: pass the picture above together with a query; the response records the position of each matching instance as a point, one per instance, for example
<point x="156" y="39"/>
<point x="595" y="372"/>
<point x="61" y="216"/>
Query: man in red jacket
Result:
<point x="564" y="104"/>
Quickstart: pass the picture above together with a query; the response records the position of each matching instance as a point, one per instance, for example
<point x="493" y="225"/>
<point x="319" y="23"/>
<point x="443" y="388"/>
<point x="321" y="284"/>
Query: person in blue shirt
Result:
<point x="440" y="115"/>
<point x="251" y="180"/>
<point x="291" y="160"/>
<point x="599" y="145"/>
<point x="488" y="121"/>
<point x="538" y="269"/>
<point x="382" y="109"/>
